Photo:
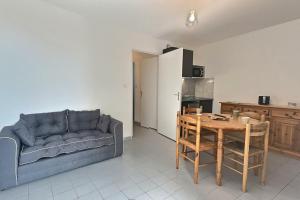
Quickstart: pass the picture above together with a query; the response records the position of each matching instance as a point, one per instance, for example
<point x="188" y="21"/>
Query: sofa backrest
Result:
<point x="83" y="120"/>
<point x="43" y="124"/>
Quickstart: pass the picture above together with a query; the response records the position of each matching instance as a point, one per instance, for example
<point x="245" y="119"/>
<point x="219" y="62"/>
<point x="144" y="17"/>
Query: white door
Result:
<point x="149" y="73"/>
<point x="169" y="91"/>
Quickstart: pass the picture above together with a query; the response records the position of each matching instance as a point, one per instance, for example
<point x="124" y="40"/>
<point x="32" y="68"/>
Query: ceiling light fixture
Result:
<point x="192" y="18"/>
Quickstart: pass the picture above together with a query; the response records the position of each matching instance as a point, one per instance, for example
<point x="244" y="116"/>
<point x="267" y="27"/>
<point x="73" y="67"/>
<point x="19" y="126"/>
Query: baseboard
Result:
<point x="137" y="123"/>
<point x="127" y="138"/>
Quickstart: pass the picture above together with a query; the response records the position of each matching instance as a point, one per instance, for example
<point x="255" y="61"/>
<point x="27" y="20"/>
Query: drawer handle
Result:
<point x="286" y="114"/>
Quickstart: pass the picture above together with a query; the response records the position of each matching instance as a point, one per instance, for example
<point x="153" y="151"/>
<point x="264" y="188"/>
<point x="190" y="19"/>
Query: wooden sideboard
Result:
<point x="285" y="124"/>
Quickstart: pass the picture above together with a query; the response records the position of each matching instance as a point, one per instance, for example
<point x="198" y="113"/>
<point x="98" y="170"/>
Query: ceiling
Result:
<point x="165" y="19"/>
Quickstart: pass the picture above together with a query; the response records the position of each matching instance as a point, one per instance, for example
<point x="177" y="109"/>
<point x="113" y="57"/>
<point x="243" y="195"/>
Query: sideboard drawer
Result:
<point x="260" y="111"/>
<point x="227" y="109"/>
<point x="286" y="114"/>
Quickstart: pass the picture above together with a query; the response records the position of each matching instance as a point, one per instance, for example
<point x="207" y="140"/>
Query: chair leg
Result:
<point x="256" y="160"/>
<point x="265" y="158"/>
<point x="245" y="174"/>
<point x="215" y="149"/>
<point x="197" y="154"/>
<point x="246" y="158"/>
<point x="177" y="146"/>
<point x="264" y="168"/>
<point x="184" y="148"/>
<point x="196" y="167"/>
<point x="177" y="156"/>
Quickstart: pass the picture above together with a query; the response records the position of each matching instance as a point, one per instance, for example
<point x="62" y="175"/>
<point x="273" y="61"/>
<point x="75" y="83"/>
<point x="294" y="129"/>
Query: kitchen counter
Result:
<point x="191" y="98"/>
<point x="196" y="102"/>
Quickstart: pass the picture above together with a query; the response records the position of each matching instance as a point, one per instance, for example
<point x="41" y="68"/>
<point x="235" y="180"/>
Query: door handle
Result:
<point x="177" y="94"/>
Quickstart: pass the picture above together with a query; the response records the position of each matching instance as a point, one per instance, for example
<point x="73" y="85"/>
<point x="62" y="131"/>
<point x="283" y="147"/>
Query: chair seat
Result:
<point x="238" y="148"/>
<point x="205" y="144"/>
<point x="234" y="136"/>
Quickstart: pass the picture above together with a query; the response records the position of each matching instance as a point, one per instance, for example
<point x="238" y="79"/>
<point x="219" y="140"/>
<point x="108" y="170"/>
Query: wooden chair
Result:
<point x="237" y="136"/>
<point x="240" y="152"/>
<point x="208" y="134"/>
<point x="194" y="141"/>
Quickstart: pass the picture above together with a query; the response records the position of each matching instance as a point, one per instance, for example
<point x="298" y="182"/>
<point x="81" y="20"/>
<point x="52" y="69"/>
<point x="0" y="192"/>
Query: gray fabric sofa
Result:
<point x="60" y="141"/>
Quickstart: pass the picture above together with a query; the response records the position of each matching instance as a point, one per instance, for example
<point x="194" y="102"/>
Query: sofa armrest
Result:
<point x="116" y="128"/>
<point x="9" y="156"/>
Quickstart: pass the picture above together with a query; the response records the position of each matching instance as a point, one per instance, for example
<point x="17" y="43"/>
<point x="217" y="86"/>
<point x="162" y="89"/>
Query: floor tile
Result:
<point x="91" y="196"/>
<point x="69" y="195"/>
<point x="143" y="197"/>
<point x="138" y="177"/>
<point x="289" y="193"/>
<point x="102" y="182"/>
<point x="19" y="198"/>
<point x="15" y="193"/>
<point x="170" y="187"/>
<point x="40" y="192"/>
<point x="125" y="183"/>
<point x="39" y="198"/>
<point x="132" y="192"/>
<point x="170" y="198"/>
<point x="60" y="187"/>
<point x="109" y="191"/>
<point x="158" y="194"/>
<point x="147" y="185"/>
<point x="220" y="194"/>
<point x="183" y="194"/>
<point x="84" y="189"/>
<point x="117" y="196"/>
<point x="160" y="180"/>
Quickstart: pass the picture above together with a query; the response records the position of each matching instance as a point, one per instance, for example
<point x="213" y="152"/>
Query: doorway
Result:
<point x="145" y="78"/>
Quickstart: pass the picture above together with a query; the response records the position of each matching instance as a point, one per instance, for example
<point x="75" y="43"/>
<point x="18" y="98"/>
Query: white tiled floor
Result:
<point x="147" y="171"/>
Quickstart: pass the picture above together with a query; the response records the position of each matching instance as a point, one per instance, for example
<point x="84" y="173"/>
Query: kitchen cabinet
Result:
<point x="187" y="63"/>
<point x="187" y="60"/>
<point x="284" y="121"/>
<point x="196" y="102"/>
<point x="283" y="132"/>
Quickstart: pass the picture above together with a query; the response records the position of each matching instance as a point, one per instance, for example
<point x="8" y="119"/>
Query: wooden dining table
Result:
<point x="221" y="127"/>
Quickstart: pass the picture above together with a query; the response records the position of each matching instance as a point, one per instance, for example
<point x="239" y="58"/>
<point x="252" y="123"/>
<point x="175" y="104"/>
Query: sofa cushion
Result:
<point x="83" y="120"/>
<point x="54" y="145"/>
<point x="23" y="133"/>
<point x="104" y="123"/>
<point x="44" y="124"/>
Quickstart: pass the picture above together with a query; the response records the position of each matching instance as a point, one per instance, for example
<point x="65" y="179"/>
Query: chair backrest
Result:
<point x="189" y="110"/>
<point x="258" y="130"/>
<point x="187" y="123"/>
<point x="254" y="115"/>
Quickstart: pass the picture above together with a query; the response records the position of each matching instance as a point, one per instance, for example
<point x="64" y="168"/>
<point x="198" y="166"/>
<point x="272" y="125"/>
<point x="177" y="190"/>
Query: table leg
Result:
<point x="219" y="158"/>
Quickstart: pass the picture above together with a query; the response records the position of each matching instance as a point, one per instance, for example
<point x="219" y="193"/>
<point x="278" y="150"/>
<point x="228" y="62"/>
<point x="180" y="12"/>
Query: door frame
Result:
<point x="132" y="76"/>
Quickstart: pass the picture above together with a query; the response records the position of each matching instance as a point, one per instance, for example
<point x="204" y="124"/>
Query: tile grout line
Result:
<point x="51" y="190"/>
<point x="286" y="185"/>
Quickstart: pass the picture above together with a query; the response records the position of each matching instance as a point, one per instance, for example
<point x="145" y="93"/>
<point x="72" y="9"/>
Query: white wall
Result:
<point x="113" y="50"/>
<point x="44" y="60"/>
<point x="52" y="59"/>
<point x="264" y="62"/>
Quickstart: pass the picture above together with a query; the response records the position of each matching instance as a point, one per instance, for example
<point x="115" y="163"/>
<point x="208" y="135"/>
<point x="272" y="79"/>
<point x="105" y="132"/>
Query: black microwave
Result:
<point x="198" y="71"/>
